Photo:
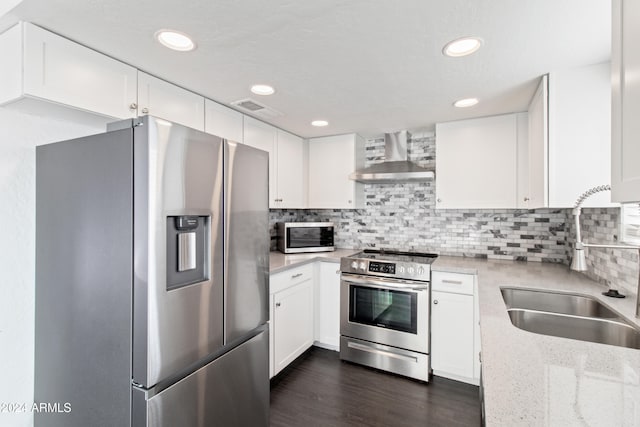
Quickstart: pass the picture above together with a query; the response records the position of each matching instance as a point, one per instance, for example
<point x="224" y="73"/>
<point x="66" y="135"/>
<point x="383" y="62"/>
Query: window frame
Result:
<point x="630" y="223"/>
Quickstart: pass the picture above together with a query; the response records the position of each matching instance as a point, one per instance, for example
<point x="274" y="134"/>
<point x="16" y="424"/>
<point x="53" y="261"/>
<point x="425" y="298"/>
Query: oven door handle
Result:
<point x="409" y="286"/>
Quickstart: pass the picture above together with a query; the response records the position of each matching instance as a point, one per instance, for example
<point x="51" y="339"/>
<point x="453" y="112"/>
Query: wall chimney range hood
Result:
<point x="396" y="167"/>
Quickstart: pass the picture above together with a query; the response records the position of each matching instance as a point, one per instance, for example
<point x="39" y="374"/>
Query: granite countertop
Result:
<point x="538" y="380"/>
<point x="531" y="379"/>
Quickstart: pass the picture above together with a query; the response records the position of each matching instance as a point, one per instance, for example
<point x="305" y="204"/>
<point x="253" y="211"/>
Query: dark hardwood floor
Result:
<point x="320" y="390"/>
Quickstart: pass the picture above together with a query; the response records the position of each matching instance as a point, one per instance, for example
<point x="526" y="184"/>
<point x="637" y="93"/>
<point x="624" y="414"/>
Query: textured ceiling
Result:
<point x="366" y="66"/>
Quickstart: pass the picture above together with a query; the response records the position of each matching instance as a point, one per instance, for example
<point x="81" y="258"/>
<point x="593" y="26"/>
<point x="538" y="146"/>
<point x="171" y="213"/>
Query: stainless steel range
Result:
<point x="384" y="311"/>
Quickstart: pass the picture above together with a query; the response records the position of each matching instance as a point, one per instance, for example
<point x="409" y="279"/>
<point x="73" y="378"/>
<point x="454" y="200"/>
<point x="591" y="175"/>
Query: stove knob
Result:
<point x="354" y="265"/>
<point x="363" y="266"/>
<point x="411" y="270"/>
<point x="401" y="270"/>
<point x="420" y="271"/>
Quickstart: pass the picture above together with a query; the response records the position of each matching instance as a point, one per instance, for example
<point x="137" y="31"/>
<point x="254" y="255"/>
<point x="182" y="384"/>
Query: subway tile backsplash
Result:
<point x="402" y="216"/>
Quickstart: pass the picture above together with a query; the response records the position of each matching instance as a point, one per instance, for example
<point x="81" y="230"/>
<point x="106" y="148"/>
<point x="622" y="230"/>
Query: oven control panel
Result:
<point x="399" y="270"/>
<point x="382" y="267"/>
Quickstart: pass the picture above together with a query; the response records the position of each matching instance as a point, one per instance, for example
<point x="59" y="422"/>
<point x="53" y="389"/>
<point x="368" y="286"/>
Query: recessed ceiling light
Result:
<point x="462" y="47"/>
<point x="263" y="90"/>
<point x="175" y="40"/>
<point x="467" y="102"/>
<point x="319" y="123"/>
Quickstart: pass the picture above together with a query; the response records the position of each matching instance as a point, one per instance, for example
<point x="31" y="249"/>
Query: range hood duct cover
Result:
<point x="396" y="167"/>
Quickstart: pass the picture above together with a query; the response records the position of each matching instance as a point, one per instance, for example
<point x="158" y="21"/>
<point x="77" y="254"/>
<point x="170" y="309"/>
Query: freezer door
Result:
<point x="233" y="390"/>
<point x="247" y="239"/>
<point x="178" y="243"/>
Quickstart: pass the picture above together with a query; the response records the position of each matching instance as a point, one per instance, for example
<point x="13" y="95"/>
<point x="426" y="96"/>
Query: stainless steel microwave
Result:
<point x="297" y="237"/>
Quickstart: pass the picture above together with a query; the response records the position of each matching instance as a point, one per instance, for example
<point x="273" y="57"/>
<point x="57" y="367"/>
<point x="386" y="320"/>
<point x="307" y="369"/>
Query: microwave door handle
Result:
<point x="374" y="283"/>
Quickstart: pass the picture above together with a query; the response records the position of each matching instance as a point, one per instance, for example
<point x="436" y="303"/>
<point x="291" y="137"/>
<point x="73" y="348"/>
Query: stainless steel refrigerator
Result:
<point x="152" y="257"/>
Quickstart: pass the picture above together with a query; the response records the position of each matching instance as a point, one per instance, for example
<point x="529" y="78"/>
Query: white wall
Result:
<point x="19" y="135"/>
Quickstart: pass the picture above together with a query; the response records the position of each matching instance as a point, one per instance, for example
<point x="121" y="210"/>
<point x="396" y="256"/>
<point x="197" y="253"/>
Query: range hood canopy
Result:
<point x="396" y="167"/>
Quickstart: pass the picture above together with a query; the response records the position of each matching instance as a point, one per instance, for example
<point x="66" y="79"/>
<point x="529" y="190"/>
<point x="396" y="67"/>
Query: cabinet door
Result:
<point x="290" y="175"/>
<point x="452" y="335"/>
<point x="223" y="121"/>
<point x="537" y="186"/>
<point x="579" y="134"/>
<point x="328" y="306"/>
<point x="476" y="165"/>
<point x="263" y="136"/>
<point x="271" y="332"/>
<point x="162" y="99"/>
<point x="625" y="126"/>
<point x="292" y="323"/>
<point x="65" y="72"/>
<point x="331" y="160"/>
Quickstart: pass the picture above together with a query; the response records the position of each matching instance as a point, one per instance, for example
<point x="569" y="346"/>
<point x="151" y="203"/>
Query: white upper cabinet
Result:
<point x="625" y="113"/>
<point x="569" y="138"/>
<point x="534" y="191"/>
<point x="287" y="160"/>
<point x="263" y="136"/>
<point x="223" y="121"/>
<point x="170" y="102"/>
<point x="291" y="167"/>
<point x="331" y="160"/>
<point x="476" y="163"/>
<point x="39" y="65"/>
<point x="579" y="135"/>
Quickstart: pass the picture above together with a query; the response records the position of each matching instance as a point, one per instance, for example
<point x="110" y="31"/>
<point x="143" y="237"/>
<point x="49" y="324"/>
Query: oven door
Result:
<point x="393" y="312"/>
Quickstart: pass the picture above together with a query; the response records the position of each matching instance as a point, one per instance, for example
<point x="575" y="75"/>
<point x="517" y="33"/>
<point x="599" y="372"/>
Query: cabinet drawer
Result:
<point x="452" y="282"/>
<point x="286" y="279"/>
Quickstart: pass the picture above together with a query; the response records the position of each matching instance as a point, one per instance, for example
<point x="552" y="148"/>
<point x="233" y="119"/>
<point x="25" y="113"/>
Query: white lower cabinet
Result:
<point x="327" y="305"/>
<point x="454" y="327"/>
<point x="292" y="316"/>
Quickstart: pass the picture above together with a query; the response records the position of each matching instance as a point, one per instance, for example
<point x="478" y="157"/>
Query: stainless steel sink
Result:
<point x="556" y="302"/>
<point x="569" y="316"/>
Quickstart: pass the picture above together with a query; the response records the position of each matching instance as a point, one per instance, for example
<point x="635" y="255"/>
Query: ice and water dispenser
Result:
<point x="187" y="250"/>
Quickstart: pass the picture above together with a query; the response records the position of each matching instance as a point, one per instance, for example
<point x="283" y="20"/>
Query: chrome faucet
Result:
<point x="579" y="262"/>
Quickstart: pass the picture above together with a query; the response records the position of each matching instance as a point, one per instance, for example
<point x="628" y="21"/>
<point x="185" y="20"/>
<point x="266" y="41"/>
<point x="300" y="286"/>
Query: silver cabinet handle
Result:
<point x="295" y="276"/>
<point x="453" y="282"/>
<point x="439" y="200"/>
<point x="526" y="199"/>
<point x="133" y="106"/>
<point x="145" y="110"/>
<point x="278" y="304"/>
<point x="435" y="301"/>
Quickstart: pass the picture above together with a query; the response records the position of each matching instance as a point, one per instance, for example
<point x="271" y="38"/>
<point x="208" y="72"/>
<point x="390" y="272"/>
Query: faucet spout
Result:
<point x="579" y="261"/>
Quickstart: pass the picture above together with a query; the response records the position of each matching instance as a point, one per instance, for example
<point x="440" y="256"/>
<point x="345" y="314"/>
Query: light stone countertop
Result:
<point x="280" y="262"/>
<point x="538" y="380"/>
<point x="531" y="379"/>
